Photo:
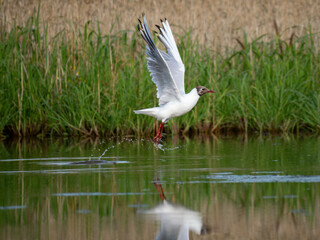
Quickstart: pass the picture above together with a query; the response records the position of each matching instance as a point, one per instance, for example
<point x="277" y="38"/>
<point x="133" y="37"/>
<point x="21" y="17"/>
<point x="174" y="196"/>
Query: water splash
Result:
<point x="106" y="150"/>
<point x="164" y="149"/>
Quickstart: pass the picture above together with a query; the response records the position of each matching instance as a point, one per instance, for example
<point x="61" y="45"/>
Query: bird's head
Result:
<point x="203" y="90"/>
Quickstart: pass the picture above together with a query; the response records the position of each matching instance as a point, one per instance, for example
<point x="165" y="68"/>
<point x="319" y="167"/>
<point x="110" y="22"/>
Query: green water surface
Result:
<point x="244" y="188"/>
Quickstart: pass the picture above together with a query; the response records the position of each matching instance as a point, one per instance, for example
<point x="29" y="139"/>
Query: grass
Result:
<point x="88" y="83"/>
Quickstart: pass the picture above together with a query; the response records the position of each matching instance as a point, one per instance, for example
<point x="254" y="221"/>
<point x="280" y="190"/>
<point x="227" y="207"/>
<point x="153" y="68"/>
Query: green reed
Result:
<point x="84" y="83"/>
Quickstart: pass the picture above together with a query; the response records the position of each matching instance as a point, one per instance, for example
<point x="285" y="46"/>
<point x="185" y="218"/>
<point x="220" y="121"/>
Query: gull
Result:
<point x="167" y="72"/>
<point x="176" y="221"/>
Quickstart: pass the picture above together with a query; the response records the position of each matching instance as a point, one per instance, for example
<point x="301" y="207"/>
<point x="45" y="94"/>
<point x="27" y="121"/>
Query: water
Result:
<point x="237" y="188"/>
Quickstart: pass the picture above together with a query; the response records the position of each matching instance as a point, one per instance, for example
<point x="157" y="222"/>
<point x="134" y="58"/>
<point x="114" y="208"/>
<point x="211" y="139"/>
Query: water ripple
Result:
<point x="79" y="194"/>
<point x="54" y="158"/>
<point x="12" y="207"/>
<point x="267" y="178"/>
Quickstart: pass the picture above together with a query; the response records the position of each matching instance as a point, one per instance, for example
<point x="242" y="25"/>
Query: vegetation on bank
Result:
<point x="86" y="83"/>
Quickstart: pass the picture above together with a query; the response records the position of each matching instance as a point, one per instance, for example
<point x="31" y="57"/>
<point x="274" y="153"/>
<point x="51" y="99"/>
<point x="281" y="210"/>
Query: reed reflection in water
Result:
<point x="254" y="189"/>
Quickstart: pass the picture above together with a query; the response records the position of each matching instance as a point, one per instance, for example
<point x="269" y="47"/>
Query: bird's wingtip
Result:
<point x="144" y="17"/>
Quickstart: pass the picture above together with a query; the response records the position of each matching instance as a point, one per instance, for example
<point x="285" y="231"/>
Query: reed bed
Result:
<point x="83" y="82"/>
<point x="215" y="23"/>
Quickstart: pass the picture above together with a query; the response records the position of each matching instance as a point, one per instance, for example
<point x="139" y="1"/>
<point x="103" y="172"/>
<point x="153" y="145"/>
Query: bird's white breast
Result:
<point x="178" y="108"/>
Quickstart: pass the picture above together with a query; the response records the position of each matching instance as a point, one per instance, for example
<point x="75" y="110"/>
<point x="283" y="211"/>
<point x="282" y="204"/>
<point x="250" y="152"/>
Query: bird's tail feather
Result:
<point x="147" y="111"/>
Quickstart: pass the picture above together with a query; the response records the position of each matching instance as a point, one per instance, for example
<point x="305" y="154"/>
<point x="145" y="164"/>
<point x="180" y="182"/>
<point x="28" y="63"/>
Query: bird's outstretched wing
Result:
<point x="163" y="66"/>
<point x="172" y="57"/>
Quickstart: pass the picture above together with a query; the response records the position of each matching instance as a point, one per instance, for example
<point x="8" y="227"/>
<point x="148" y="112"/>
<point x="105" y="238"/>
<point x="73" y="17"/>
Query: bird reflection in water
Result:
<point x="176" y="220"/>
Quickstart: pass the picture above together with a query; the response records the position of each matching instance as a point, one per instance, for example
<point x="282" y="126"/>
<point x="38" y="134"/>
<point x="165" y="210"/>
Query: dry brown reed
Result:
<point x="214" y="23"/>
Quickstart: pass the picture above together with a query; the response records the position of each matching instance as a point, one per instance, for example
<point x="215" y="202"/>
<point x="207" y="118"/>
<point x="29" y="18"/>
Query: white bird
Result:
<point x="176" y="221"/>
<point x="167" y="72"/>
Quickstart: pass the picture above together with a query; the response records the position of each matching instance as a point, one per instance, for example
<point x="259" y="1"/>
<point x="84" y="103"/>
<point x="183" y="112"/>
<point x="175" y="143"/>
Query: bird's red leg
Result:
<point x="159" y="190"/>
<point x="161" y="130"/>
<point x="158" y="133"/>
<point x="163" y="196"/>
<point x="157" y="138"/>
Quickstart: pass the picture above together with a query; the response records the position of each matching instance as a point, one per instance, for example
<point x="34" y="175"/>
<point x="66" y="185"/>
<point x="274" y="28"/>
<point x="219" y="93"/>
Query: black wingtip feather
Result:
<point x="148" y="39"/>
<point x="146" y="35"/>
<point x="158" y="27"/>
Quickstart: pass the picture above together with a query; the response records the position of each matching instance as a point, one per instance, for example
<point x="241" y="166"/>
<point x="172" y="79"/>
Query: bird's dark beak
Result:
<point x="211" y="91"/>
<point x="205" y="230"/>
